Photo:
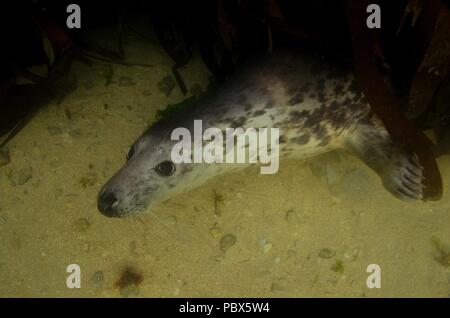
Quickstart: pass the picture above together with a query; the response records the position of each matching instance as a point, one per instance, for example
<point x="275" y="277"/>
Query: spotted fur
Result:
<point x="317" y="105"/>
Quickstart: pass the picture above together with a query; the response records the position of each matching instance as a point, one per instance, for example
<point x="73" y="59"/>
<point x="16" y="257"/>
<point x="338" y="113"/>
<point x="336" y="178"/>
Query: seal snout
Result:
<point x="107" y="203"/>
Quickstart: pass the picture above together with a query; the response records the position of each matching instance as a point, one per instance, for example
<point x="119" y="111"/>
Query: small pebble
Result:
<point x="267" y="247"/>
<point x="97" y="279"/>
<point x="227" y="241"/>
<point x="326" y="253"/>
<point x="215" y="232"/>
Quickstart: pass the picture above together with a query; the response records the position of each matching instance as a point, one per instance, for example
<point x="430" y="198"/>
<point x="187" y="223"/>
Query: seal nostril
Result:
<point x="110" y="199"/>
<point x="106" y="203"/>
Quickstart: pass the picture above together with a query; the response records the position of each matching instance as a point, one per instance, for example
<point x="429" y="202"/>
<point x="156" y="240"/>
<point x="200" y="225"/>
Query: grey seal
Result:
<point x="313" y="99"/>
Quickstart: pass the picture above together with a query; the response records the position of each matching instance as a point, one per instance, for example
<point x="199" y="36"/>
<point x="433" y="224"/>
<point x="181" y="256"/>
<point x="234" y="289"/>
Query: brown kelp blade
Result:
<point x="385" y="105"/>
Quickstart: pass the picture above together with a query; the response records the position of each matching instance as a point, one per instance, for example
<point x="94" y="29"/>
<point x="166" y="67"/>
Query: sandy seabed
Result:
<point x="310" y="230"/>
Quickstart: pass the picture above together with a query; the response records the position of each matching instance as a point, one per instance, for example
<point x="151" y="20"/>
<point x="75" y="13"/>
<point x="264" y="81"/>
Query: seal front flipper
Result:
<point x="400" y="171"/>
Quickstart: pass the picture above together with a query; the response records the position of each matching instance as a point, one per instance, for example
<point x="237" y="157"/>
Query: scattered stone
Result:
<point x="21" y="176"/>
<point x="126" y="81"/>
<point x="81" y="225"/>
<point x="4" y="157"/>
<point x="97" y="279"/>
<point x="215" y="232"/>
<point x="326" y="253"/>
<point x="267" y="247"/>
<point x="227" y="241"/>
<point x="166" y="85"/>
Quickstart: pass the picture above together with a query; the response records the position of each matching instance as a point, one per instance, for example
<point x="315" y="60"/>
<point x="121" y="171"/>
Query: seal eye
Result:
<point x="165" y="168"/>
<point x="130" y="152"/>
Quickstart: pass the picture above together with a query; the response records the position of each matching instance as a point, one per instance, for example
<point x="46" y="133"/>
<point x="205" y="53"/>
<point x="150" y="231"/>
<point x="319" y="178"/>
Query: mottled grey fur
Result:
<point x="316" y="104"/>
